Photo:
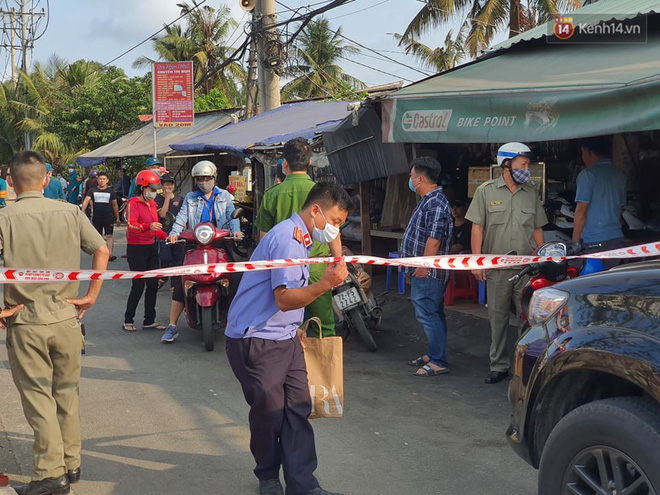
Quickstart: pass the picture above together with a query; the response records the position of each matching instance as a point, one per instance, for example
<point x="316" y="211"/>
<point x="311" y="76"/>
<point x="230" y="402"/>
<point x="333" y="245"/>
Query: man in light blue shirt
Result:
<point x="265" y="352"/>
<point x="600" y="196"/>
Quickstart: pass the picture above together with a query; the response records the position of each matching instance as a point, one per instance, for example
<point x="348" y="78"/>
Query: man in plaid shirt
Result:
<point x="429" y="233"/>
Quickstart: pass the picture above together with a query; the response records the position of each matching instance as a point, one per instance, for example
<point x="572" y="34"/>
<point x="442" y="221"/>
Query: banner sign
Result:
<point x="173" y="90"/>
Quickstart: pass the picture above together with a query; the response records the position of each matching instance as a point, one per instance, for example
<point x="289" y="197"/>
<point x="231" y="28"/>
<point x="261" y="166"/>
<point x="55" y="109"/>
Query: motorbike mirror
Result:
<point x="237" y="213"/>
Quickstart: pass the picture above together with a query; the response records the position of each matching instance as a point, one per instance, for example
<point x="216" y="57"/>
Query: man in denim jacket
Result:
<point x="208" y="203"/>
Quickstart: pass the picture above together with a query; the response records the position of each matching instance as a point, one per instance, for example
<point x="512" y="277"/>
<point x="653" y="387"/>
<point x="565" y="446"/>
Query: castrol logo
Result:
<point x="426" y="120"/>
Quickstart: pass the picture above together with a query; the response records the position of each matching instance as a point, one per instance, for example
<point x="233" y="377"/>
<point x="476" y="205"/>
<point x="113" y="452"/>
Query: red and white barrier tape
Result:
<point x="448" y="262"/>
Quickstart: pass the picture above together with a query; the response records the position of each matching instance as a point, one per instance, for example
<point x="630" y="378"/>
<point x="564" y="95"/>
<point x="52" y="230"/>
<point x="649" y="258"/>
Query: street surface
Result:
<point x="171" y="419"/>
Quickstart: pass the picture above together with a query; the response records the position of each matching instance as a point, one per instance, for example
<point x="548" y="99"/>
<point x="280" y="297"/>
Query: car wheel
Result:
<point x="604" y="447"/>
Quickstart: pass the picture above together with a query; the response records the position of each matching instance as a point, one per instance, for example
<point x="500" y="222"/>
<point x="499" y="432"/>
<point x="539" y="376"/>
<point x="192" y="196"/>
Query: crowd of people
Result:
<point x="297" y="219"/>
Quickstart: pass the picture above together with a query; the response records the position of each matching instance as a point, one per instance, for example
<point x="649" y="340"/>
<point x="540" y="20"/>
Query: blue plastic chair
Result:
<point x="402" y="276"/>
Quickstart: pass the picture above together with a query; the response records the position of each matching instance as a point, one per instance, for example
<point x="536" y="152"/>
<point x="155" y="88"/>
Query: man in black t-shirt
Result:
<point x="104" y="209"/>
<point x="169" y="203"/>
<point x="462" y="227"/>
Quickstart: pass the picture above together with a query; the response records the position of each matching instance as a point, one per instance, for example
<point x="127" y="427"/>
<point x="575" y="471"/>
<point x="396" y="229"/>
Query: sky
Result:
<point x="101" y="30"/>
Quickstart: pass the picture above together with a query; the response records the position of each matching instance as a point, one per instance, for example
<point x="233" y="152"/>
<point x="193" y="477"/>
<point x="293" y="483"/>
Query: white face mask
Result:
<point x="149" y="194"/>
<point x="326" y="235"/>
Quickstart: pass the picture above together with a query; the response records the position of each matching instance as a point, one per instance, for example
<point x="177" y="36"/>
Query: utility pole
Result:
<point x="251" y="83"/>
<point x="269" y="81"/>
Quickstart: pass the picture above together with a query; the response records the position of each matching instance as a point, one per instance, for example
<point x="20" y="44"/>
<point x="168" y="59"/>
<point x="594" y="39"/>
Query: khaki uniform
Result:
<point x="279" y="203"/>
<point x="508" y="220"/>
<point x="43" y="339"/>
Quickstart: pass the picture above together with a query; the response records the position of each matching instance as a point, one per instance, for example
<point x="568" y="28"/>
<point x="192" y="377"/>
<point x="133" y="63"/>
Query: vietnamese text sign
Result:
<point x="173" y="89"/>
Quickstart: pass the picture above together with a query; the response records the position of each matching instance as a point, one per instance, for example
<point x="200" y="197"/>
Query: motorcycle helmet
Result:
<point x="511" y="150"/>
<point x="365" y="280"/>
<point x="205" y="168"/>
<point x="148" y="178"/>
<point x="94" y="173"/>
<point x="152" y="161"/>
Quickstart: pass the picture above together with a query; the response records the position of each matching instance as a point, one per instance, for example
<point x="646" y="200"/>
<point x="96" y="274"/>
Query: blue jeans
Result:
<point x="428" y="297"/>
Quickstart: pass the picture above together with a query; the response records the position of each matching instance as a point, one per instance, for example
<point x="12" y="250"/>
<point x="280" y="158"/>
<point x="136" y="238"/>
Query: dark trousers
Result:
<point x="273" y="376"/>
<point x="142" y="257"/>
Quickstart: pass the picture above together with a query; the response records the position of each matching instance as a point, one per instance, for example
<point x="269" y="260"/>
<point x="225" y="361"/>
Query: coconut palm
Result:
<point x="486" y="17"/>
<point x="204" y="41"/>
<point x="316" y="71"/>
<point x="439" y="59"/>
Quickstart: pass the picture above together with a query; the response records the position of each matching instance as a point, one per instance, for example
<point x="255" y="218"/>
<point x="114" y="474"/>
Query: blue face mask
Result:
<point x="410" y="185"/>
<point x="520" y="175"/>
<point x="71" y="170"/>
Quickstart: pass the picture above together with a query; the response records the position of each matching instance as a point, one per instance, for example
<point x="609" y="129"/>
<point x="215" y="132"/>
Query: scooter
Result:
<point x="207" y="295"/>
<point x="548" y="273"/>
<point x="356" y="306"/>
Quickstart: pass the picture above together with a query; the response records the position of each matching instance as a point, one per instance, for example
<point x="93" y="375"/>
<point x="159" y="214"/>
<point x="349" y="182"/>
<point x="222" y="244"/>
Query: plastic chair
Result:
<point x="462" y="284"/>
<point x="402" y="276"/>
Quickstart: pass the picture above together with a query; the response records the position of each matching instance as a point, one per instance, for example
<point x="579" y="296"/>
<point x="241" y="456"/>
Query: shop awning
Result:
<point x="304" y="119"/>
<point x="140" y="142"/>
<point x="533" y="92"/>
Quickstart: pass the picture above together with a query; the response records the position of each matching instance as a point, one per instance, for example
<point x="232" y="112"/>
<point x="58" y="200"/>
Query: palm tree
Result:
<point x="439" y="59"/>
<point x="315" y="71"/>
<point x="486" y="17"/>
<point x="203" y="42"/>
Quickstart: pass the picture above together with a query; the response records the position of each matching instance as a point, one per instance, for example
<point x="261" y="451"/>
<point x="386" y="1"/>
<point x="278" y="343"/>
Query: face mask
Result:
<point x="410" y="185"/>
<point x="149" y="194"/>
<point x="326" y="235"/>
<point x="206" y="187"/>
<point x="520" y="175"/>
<point x="70" y="170"/>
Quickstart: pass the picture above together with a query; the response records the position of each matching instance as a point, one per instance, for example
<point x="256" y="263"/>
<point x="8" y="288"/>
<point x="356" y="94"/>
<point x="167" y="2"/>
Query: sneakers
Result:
<point x="169" y="335"/>
<point x="270" y="487"/>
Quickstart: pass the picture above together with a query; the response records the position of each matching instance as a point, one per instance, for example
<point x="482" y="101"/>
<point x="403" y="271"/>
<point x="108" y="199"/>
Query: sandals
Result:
<point x="128" y="327"/>
<point x="154" y="326"/>
<point x="418" y="363"/>
<point x="428" y="371"/>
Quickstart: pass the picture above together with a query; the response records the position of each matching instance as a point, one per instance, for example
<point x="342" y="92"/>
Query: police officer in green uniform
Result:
<point x="44" y="339"/>
<point x="506" y="215"/>
<point x="281" y="202"/>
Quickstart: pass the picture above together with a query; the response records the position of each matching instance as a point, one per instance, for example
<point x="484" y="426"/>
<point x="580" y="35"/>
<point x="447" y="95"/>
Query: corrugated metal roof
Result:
<point x="590" y="14"/>
<point x="140" y="141"/>
<point x="304" y="119"/>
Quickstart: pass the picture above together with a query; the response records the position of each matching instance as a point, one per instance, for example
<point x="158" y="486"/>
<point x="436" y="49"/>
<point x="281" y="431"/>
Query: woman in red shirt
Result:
<point x="141" y="250"/>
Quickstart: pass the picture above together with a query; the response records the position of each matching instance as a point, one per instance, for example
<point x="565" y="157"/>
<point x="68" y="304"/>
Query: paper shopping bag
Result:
<point x="324" y="357"/>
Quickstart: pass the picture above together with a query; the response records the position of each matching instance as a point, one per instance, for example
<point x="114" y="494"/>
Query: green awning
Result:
<point x="538" y="92"/>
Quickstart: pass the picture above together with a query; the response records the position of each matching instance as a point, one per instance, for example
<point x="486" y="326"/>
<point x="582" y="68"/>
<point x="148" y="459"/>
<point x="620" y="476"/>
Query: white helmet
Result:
<point x="204" y="168"/>
<point x="511" y="150"/>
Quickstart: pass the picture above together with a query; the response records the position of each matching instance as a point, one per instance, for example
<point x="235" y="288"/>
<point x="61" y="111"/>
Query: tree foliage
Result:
<point x="316" y="72"/>
<point x="486" y="17"/>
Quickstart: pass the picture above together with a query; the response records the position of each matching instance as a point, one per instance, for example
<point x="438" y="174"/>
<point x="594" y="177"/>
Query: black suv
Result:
<point x="586" y="387"/>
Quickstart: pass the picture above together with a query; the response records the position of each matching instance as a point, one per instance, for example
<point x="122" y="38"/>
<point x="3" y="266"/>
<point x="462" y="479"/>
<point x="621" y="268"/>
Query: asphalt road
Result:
<point x="171" y="419"/>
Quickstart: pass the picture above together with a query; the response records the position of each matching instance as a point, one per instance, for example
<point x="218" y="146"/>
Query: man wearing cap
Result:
<point x="506" y="215"/>
<point x="105" y="211"/>
<point x="169" y="204"/>
<point x="53" y="189"/>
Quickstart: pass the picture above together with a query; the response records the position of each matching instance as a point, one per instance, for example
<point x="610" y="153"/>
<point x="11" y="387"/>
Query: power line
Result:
<point x="361" y="10"/>
<point x="377" y="70"/>
<point x="197" y="6"/>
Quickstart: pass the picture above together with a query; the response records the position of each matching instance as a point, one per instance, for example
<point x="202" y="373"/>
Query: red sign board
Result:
<point x="174" y="104"/>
